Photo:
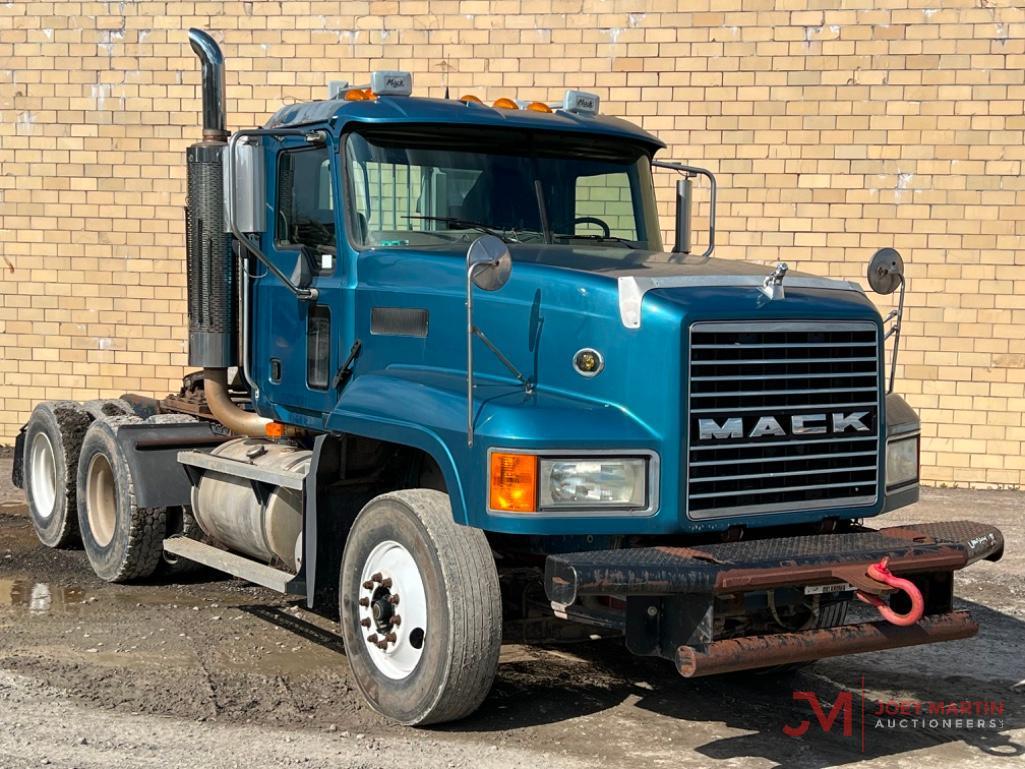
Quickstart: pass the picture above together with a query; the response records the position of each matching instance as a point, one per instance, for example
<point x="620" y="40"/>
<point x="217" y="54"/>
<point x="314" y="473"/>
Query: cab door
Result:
<point x="297" y="343"/>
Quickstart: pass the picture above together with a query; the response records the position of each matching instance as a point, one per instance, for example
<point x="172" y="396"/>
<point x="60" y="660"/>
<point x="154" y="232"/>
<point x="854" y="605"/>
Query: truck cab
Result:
<point x="450" y="374"/>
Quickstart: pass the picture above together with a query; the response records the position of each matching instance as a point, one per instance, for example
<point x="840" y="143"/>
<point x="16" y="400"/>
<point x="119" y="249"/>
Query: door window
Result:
<point x="305" y="211"/>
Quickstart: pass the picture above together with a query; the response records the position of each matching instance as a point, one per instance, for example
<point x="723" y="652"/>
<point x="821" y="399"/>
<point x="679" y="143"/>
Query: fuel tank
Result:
<point x="265" y="526"/>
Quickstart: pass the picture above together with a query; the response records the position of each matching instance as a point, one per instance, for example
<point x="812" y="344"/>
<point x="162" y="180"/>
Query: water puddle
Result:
<point x="39" y="597"/>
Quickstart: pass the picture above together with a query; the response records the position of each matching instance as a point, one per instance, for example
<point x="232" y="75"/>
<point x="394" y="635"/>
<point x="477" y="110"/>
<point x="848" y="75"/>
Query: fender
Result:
<point x="151" y="450"/>
<point x="416" y="412"/>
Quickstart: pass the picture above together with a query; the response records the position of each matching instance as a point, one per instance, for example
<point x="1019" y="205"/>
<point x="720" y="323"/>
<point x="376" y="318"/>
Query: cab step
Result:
<point x="204" y="461"/>
<point x="235" y="565"/>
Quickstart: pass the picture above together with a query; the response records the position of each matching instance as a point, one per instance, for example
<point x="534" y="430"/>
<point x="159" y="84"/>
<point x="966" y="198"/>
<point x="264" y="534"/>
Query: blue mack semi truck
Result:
<point x="450" y="381"/>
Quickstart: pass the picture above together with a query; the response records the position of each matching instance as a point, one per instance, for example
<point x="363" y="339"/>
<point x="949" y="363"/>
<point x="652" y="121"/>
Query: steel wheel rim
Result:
<point x="44" y="477"/>
<point x="392" y="610"/>
<point x="101" y="500"/>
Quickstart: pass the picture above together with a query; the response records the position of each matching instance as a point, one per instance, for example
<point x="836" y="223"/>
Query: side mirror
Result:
<point x="886" y="271"/>
<point x="488" y="263"/>
<point x="684" y="196"/>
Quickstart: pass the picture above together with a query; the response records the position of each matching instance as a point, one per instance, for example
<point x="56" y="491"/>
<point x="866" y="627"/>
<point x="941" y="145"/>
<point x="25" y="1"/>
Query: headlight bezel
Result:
<point x="911" y="442"/>
<point x="650" y="476"/>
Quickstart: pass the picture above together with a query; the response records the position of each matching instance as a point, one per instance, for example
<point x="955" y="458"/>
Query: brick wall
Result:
<point x="833" y="132"/>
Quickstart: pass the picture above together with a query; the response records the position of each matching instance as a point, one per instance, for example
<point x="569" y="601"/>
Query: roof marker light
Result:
<point x="538" y="106"/>
<point x="391" y="83"/>
<point x="468" y="98"/>
<point x="505" y="103"/>
<point x="581" y="102"/>
<point x="356" y="94"/>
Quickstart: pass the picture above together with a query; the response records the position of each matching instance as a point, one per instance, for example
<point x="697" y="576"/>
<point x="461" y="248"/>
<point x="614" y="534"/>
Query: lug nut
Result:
<point x="382" y="645"/>
<point x="376" y="577"/>
<point x="364" y="602"/>
<point x="386" y="582"/>
<point x="372" y="638"/>
<point x="391" y="637"/>
<point x="394" y="599"/>
<point x="365" y="622"/>
<point x="368" y="585"/>
<point x="396" y="620"/>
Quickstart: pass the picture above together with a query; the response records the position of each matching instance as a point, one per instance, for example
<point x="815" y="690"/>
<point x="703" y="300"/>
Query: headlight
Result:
<point x="901" y="462"/>
<point x="595" y="482"/>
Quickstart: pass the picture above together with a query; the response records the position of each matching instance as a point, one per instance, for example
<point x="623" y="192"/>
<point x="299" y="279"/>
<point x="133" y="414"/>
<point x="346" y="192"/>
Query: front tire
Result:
<point x="122" y="541"/>
<point x="405" y="559"/>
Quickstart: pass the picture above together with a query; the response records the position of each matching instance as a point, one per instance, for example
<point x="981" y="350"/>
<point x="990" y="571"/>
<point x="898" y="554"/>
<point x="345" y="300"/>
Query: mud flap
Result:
<point x="18" y="469"/>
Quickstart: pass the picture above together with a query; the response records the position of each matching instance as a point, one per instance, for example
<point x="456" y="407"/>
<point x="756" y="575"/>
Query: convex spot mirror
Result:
<point x="886" y="271"/>
<point x="489" y="263"/>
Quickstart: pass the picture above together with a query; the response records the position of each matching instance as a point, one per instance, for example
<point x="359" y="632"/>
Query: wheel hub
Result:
<point x="383" y="611"/>
<point x="43" y="480"/>
<point x="390" y="580"/>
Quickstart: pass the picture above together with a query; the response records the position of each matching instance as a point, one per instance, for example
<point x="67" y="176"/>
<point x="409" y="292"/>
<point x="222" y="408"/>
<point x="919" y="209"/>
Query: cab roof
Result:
<point x="413" y="110"/>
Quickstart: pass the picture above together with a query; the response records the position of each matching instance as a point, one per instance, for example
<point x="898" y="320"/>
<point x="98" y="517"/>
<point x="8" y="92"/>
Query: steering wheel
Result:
<point x="606" y="230"/>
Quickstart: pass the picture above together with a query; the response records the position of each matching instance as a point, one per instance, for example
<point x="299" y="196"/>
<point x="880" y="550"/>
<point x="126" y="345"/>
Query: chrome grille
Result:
<point x="782" y="417"/>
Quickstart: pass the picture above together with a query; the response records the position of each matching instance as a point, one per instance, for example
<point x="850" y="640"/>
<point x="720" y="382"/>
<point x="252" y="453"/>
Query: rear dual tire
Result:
<point x="122" y="540"/>
<point x="53" y="438"/>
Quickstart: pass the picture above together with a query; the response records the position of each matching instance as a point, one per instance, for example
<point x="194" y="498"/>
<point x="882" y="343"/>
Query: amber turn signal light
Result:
<point x="275" y="430"/>
<point x="513" y="483"/>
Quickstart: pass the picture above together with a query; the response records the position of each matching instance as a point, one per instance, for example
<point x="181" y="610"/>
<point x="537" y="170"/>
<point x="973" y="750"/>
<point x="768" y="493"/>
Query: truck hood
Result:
<point x="638" y="272"/>
<point x="613" y="262"/>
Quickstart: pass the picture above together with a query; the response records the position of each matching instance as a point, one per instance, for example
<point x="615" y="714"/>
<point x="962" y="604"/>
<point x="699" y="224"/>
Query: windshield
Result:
<point x="415" y="188"/>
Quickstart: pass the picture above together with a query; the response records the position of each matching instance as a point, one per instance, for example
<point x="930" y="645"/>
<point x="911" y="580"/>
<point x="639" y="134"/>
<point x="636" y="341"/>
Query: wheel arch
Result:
<point x="343" y="478"/>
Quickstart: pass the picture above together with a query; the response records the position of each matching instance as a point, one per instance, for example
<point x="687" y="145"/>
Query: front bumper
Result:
<point x="672" y="594"/>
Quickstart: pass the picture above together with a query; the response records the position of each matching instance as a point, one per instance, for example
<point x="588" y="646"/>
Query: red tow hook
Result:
<point x="880" y="573"/>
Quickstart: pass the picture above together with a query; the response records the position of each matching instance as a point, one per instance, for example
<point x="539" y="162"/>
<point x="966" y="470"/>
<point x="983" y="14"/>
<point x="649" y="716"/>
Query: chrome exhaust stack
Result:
<point x="212" y="271"/>
<point x="214" y="112"/>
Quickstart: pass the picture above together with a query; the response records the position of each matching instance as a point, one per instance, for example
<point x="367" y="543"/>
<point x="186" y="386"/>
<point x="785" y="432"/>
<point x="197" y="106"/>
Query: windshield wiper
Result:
<point x="467" y="224"/>
<point x="596" y="236"/>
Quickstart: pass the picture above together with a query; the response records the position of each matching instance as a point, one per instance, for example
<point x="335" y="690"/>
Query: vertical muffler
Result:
<point x="210" y="266"/>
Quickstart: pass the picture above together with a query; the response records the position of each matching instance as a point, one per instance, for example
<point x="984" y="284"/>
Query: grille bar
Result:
<point x="770" y="444"/>
<point x="741" y="345"/>
<point x="810" y="446"/>
<point x="778" y="474"/>
<point x="761" y="377"/>
<point x="794" y="406"/>
<point x="788" y="392"/>
<point x="838" y="455"/>
<point x="766" y="361"/>
<point x="781" y="488"/>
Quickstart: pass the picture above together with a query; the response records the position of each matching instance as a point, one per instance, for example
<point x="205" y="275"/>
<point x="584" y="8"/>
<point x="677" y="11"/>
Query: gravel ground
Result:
<point x="215" y="673"/>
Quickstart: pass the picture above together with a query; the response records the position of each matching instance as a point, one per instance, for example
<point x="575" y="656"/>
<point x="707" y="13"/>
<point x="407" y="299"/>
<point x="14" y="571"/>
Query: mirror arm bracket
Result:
<point x="487" y="265"/>
<point x="897" y="315"/>
<point x="690" y="172"/>
<point x="306" y="294"/>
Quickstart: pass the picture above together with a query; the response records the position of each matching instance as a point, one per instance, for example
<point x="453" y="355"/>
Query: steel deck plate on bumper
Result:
<point x="760" y="564"/>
